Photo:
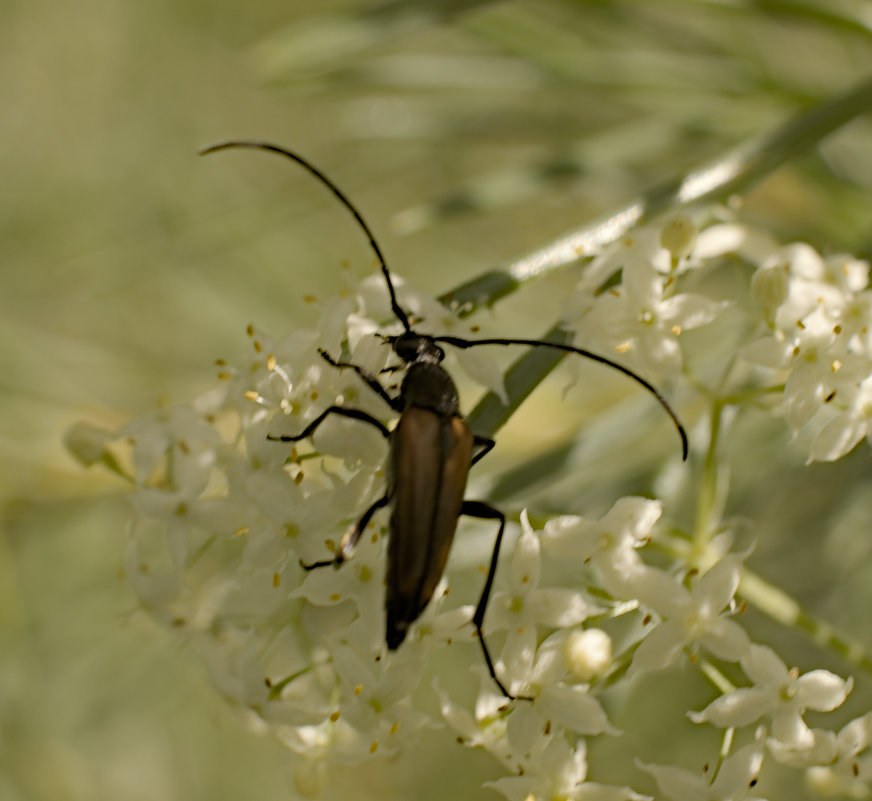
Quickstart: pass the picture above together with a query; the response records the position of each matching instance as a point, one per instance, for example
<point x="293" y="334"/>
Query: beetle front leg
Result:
<point x="354" y="414"/>
<point x="485" y="511"/>
<point x="372" y="382"/>
<point x="350" y="539"/>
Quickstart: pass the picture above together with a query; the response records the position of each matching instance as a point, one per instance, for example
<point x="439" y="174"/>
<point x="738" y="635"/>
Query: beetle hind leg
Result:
<point x="485" y="511"/>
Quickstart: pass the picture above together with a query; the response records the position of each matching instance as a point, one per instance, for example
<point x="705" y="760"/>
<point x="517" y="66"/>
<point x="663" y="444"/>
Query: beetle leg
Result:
<point x="485" y="511"/>
<point x="486" y="444"/>
<point x="350" y="539"/>
<point x="395" y="403"/>
<point x="355" y="414"/>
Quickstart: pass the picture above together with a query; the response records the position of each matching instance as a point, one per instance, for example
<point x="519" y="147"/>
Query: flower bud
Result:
<point x="588" y="653"/>
<point x="769" y="289"/>
<point x="678" y="236"/>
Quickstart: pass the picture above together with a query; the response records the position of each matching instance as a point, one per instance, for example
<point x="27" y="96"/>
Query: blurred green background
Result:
<point x="468" y="132"/>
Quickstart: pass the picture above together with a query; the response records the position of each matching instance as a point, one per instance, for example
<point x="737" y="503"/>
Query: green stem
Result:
<point x="718" y="679"/>
<point x="708" y="490"/>
<point x="726" y="747"/>
<point x="782" y="608"/>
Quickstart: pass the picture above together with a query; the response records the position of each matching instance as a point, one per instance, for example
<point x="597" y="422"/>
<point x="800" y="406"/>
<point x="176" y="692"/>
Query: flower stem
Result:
<point x="709" y="486"/>
<point x="782" y="608"/>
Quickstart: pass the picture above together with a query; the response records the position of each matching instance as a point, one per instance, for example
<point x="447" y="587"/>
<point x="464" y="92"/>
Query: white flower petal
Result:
<point x="515" y="788"/>
<point x="856" y="735"/>
<point x="659" y="649"/>
<point x="738" y="772"/>
<point x="525" y="563"/>
<point x="592" y="791"/>
<point x="569" y="536"/>
<point x="659" y="590"/>
<point x="524" y="729"/>
<point x="560" y="608"/>
<point x="575" y="709"/>
<point x="823" y="751"/>
<point x="717" y="587"/>
<point x="789" y="727"/>
<point x="677" y="783"/>
<point x="634" y="515"/>
<point x="838" y="437"/>
<point x="726" y="639"/>
<point x="737" y="708"/>
<point x="822" y="690"/>
<point x="763" y="666"/>
<point x="690" y="311"/>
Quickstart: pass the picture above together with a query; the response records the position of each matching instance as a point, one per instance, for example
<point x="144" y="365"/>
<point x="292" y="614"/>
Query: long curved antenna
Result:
<point x="395" y="306"/>
<point x="457" y="342"/>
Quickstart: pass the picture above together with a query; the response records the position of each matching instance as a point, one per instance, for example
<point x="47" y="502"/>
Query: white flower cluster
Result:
<point x="806" y="319"/>
<point x="224" y="517"/>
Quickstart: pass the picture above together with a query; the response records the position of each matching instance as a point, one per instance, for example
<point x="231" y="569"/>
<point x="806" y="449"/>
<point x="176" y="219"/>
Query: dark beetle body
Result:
<point x="431" y="452"/>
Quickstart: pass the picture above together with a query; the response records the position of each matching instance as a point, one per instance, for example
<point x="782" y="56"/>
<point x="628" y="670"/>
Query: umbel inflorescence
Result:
<point x="223" y="518"/>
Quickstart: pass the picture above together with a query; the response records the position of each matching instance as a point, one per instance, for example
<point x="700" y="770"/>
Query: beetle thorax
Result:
<point x="412" y="347"/>
<point x="428" y="386"/>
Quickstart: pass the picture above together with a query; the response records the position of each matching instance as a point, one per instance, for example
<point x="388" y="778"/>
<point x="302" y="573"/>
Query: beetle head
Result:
<point x="412" y="347"/>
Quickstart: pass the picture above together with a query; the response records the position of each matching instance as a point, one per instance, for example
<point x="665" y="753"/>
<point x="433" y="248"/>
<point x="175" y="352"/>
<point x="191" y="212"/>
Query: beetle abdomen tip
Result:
<point x="394" y="634"/>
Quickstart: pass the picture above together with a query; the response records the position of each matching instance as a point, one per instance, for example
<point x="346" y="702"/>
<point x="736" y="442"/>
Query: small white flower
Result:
<point x="734" y="781"/>
<point x="779" y="694"/>
<point x="640" y="247"/>
<point x="559" y="771"/>
<point x="611" y="543"/>
<point x="558" y="698"/>
<point x="177" y="439"/>
<point x="487" y="731"/>
<point x="360" y="580"/>
<point x="642" y="320"/>
<point x="849" y="772"/>
<point x="821" y="368"/>
<point x="694" y="617"/>
<point x="376" y="700"/>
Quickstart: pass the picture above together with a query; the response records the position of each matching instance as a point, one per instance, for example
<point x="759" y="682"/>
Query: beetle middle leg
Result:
<point x="487" y="445"/>
<point x="485" y="511"/>
<point x="350" y="539"/>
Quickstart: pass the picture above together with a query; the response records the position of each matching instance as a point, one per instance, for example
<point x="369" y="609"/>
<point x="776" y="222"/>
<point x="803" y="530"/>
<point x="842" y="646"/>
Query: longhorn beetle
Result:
<point x="431" y="451"/>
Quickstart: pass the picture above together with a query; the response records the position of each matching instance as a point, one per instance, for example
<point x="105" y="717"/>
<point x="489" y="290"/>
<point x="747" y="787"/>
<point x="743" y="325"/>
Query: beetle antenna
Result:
<point x="457" y="342"/>
<point x="395" y="306"/>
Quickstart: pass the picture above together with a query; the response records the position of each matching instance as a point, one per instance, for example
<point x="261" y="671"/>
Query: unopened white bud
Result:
<point x="678" y="236"/>
<point x="769" y="289"/>
<point x="87" y="443"/>
<point x="588" y="653"/>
